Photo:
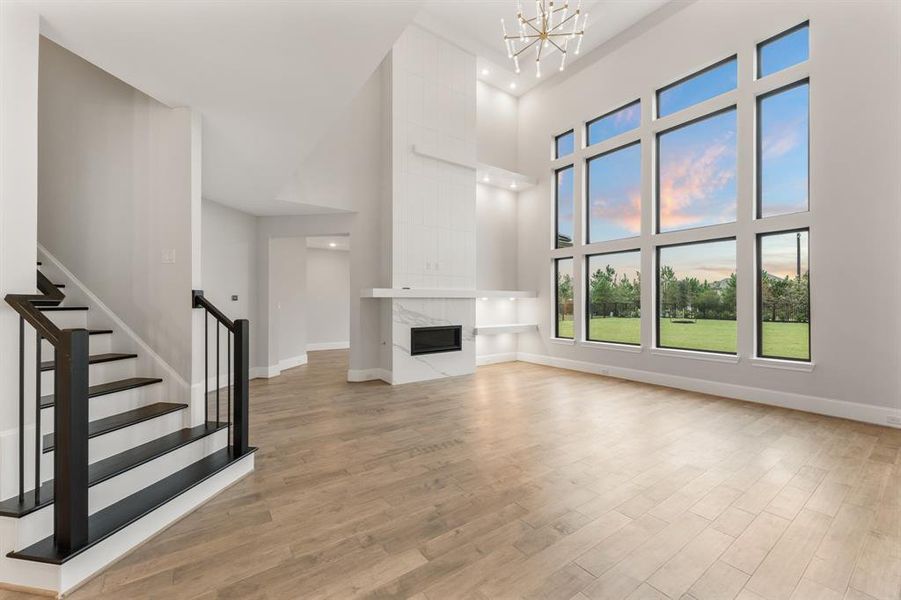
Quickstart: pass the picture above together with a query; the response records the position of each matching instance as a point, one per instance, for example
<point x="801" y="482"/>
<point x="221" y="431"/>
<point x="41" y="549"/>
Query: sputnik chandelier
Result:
<point x="551" y="26"/>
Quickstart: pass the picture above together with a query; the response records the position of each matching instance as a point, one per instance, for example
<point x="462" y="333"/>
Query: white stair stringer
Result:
<point x="18" y="533"/>
<point x="149" y="363"/>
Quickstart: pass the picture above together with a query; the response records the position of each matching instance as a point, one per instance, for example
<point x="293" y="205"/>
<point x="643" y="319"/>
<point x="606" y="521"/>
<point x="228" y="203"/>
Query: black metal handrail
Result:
<point x="70" y="396"/>
<point x="237" y="363"/>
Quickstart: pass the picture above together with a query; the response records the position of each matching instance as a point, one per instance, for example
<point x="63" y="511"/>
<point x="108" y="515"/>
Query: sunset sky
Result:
<point x="709" y="261"/>
<point x="620" y="121"/>
<point x="778" y="254"/>
<point x="614" y="194"/>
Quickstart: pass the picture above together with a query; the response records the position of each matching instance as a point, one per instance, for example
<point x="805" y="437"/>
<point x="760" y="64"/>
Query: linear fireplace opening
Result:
<point x="432" y="340"/>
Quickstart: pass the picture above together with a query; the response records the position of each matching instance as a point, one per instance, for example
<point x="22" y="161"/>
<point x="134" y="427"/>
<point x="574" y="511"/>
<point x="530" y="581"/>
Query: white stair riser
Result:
<point x="99" y="344"/>
<point x="68" y="319"/>
<point x="108" y="444"/>
<point x="98" y="373"/>
<point x="37" y="526"/>
<point x="112" y="404"/>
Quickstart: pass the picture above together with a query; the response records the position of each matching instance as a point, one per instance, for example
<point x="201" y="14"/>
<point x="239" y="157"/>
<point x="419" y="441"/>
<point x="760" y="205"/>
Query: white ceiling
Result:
<point x="270" y="77"/>
<point x="476" y="26"/>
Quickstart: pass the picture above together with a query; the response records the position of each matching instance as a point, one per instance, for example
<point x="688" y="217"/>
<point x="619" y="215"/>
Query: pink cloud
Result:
<point x="626" y="215"/>
<point x="690" y="180"/>
<point x="781" y="140"/>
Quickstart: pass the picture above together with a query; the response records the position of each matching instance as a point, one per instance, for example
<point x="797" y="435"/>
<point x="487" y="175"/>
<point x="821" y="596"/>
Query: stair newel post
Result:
<point x="70" y="457"/>
<point x="242" y="385"/>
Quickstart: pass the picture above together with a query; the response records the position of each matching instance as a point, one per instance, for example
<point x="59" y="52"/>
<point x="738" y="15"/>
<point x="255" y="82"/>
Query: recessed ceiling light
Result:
<point x="486" y="179"/>
<point x="513" y="186"/>
<point x="485" y="71"/>
<point x="332" y="245"/>
<point x="512" y="85"/>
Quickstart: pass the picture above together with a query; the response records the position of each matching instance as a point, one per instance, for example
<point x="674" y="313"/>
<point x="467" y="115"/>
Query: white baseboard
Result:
<point x="264" y="372"/>
<point x="878" y="415"/>
<point x="328" y="346"/>
<point x="491" y="359"/>
<point x="357" y="375"/>
<point x="294" y="361"/>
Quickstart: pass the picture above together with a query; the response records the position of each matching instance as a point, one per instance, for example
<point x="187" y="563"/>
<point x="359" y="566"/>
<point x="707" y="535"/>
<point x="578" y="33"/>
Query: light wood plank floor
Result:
<point x="527" y="481"/>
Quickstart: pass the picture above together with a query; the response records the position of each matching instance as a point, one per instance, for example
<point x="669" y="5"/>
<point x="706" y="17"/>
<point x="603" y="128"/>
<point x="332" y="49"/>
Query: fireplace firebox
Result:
<point x="432" y="340"/>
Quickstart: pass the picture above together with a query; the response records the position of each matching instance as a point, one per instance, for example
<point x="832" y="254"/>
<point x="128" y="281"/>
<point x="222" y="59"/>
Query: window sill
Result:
<point x="697" y="355"/>
<point x="612" y="346"/>
<point x="564" y="341"/>
<point x="785" y="365"/>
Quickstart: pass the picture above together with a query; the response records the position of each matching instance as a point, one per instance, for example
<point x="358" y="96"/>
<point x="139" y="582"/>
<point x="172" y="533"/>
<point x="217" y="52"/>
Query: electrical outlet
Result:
<point x="168" y="256"/>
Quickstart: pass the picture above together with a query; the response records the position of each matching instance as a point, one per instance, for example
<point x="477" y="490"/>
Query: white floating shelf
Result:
<point x="442" y="293"/>
<point x="485" y="173"/>
<point x="499" y="329"/>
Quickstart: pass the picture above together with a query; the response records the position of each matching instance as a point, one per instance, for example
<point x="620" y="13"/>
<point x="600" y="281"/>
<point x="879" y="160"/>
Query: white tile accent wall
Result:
<point x="433" y="207"/>
<point x="433" y="203"/>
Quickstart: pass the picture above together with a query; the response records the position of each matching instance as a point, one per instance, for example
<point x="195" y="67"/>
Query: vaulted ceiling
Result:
<point x="272" y="77"/>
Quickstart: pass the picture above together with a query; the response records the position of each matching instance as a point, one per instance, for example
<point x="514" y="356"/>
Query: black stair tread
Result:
<point x="60" y="285"/>
<point x="112" y="387"/>
<point x="99" y="331"/>
<point x="123" y="419"/>
<point x="61" y="308"/>
<point x="123" y="513"/>
<point x="115" y="465"/>
<point x="49" y="365"/>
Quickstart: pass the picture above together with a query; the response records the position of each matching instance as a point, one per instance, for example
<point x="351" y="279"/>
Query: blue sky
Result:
<point x="783" y="52"/>
<point x="620" y="121"/>
<point x="716" y="81"/>
<point x="697" y="173"/>
<point x="614" y="194"/>
<point x="565" y="202"/>
<point x="783" y="151"/>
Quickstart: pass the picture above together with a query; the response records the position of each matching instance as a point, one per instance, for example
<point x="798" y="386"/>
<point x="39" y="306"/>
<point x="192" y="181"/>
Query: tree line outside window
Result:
<point x="695" y="169"/>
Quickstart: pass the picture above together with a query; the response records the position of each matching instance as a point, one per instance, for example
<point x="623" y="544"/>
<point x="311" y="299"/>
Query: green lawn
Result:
<point x="787" y="340"/>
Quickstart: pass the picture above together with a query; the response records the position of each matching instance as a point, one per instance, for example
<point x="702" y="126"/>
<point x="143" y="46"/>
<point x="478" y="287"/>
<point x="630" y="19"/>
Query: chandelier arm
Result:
<point x="557" y="46"/>
<point x="517" y="37"/>
<point x="526" y="47"/>
<point x="564" y="21"/>
<point x="529" y="23"/>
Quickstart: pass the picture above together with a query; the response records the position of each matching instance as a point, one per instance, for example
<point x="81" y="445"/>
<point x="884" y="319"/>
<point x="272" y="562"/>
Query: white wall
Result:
<point x="117" y="188"/>
<point x="854" y="156"/>
<point x="496" y="126"/>
<point x="328" y="298"/>
<point x="229" y="267"/>
<point x="19" y="35"/>
<point x="288" y="279"/>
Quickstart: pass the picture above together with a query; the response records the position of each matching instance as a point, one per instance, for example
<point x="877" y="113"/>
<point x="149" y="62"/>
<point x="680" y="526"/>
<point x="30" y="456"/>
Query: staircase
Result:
<point x="113" y="461"/>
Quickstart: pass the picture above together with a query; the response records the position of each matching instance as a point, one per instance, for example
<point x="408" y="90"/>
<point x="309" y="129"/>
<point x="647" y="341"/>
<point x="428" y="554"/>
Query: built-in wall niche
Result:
<point x="485" y="174"/>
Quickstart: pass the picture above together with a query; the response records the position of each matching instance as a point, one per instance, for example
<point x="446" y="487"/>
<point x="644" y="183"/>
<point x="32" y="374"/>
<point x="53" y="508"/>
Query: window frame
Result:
<point x="656" y="165"/>
<point x="556" y="152"/>
<point x="758" y="293"/>
<point x="758" y="149"/>
<point x="556" y="240"/>
<point x="587" y="215"/>
<point x="588" y="124"/>
<point x="557" y="298"/>
<point x="587" y="332"/>
<point x="706" y="69"/>
<point x="657" y="311"/>
<point x="773" y="38"/>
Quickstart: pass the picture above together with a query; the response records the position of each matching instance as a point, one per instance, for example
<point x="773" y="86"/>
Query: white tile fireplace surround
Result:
<point x="429" y="312"/>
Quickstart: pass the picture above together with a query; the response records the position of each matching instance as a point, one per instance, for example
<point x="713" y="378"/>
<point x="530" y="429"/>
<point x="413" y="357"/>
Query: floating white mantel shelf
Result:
<point x="499" y="329"/>
<point x="485" y="173"/>
<point x="442" y="293"/>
